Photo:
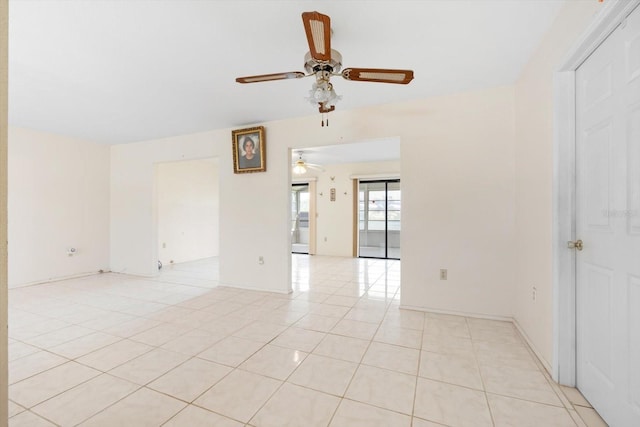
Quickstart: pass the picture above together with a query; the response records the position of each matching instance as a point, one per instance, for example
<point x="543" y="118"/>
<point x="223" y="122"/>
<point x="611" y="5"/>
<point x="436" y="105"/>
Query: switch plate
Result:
<point x="443" y="274"/>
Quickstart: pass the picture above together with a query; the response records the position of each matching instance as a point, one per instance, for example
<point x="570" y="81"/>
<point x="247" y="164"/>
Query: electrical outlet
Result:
<point x="443" y="274"/>
<point x="260" y="260"/>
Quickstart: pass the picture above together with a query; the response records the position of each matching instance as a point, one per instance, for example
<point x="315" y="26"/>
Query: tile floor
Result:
<point x="183" y="350"/>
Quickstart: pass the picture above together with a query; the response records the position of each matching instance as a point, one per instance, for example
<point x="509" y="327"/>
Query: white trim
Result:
<point x="606" y="21"/>
<point x="392" y="175"/>
<point x="253" y="288"/>
<point x="457" y="313"/>
<point x="303" y="180"/>
<point x="58" y="279"/>
<point x="545" y="364"/>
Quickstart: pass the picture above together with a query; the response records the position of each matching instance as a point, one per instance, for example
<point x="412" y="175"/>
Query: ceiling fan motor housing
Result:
<point x="314" y="66"/>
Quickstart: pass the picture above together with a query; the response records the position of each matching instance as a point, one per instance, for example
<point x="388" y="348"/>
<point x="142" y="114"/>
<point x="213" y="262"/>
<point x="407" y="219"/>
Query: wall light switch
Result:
<point x="443" y="274"/>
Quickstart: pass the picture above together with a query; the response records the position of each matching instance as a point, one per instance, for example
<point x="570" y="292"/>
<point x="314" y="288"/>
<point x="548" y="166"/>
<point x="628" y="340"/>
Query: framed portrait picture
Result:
<point x="249" y="150"/>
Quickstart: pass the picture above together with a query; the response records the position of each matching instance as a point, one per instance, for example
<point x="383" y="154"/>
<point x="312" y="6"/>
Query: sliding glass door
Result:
<point x="379" y="207"/>
<point x="300" y="218"/>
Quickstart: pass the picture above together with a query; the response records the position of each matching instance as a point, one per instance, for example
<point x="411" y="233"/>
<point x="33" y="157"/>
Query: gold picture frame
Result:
<point x="252" y="139"/>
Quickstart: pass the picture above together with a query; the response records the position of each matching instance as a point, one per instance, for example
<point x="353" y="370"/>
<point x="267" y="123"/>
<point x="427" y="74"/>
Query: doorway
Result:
<point x="187" y="215"/>
<point x="300" y="220"/>
<point x="379" y="211"/>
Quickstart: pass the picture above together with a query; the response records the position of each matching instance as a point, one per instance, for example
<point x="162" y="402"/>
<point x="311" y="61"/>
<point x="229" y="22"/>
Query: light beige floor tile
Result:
<point x="20" y="349"/>
<point x="49" y="383"/>
<point x="523" y="384"/>
<point x="311" y="408"/>
<point x="85" y="400"/>
<point x="113" y="355"/>
<point x="574" y="396"/>
<point x="260" y="331"/>
<point x="192" y="416"/>
<point x="329" y="310"/>
<point x="299" y="339"/>
<point x="576" y="418"/>
<point x="14" y="409"/>
<point x="190" y="379"/>
<point x="451" y="405"/>
<point x="393" y="357"/>
<point x="509" y="412"/>
<point x="399" y="336"/>
<point x="444" y="327"/>
<point x="316" y="322"/>
<point x="419" y="422"/>
<point x="405" y="319"/>
<point x="273" y="361"/>
<point x="342" y="300"/>
<point x="84" y="345"/>
<point x="324" y="374"/>
<point x="149" y="366"/>
<point x="59" y="336"/>
<point x="131" y="327"/>
<point x="356" y="414"/>
<point x="590" y="417"/>
<point x="446" y="344"/>
<point x="458" y="370"/>
<point x="344" y="348"/>
<point x="383" y="388"/>
<point x="231" y="351"/>
<point x="33" y="364"/>
<point x="28" y="419"/>
<point x="160" y="334"/>
<point x="144" y="408"/>
<point x="239" y="395"/>
<point x="193" y="342"/>
<point x="355" y="329"/>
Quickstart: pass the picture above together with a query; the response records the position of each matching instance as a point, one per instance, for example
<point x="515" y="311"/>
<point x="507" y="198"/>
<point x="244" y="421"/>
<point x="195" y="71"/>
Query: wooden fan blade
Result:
<point x="379" y="75"/>
<point x="269" y="77"/>
<point x="318" y="29"/>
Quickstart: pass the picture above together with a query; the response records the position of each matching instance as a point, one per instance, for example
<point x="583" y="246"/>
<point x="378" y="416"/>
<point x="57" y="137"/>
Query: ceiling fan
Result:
<point x="323" y="62"/>
<point x="300" y="166"/>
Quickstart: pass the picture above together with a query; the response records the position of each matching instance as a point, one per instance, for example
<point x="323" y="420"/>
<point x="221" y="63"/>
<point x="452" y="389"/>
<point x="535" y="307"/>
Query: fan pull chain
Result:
<point x="323" y="119"/>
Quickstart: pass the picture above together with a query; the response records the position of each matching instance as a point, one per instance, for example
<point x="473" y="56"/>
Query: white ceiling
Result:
<point x="130" y="70"/>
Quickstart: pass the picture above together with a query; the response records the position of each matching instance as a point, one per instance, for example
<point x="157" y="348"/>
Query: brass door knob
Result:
<point x="575" y="245"/>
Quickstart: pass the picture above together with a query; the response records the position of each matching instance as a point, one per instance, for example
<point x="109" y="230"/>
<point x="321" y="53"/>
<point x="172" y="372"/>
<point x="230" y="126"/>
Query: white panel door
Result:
<point x="608" y="222"/>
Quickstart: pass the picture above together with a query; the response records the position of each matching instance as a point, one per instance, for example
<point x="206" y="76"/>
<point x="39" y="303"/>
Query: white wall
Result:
<point x="4" y="110"/>
<point x="335" y="219"/>
<point x="457" y="180"/>
<point x="534" y="170"/>
<point x="58" y="198"/>
<point x="188" y="205"/>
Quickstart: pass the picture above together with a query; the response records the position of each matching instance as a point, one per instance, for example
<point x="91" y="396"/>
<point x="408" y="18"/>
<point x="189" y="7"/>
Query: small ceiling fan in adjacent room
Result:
<point x="323" y="62"/>
<point x="300" y="166"/>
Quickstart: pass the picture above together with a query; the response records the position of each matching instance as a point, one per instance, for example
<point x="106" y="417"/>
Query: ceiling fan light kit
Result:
<point x="323" y="62"/>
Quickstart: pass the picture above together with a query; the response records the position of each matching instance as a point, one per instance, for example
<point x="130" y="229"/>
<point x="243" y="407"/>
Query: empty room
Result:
<point x="320" y="213"/>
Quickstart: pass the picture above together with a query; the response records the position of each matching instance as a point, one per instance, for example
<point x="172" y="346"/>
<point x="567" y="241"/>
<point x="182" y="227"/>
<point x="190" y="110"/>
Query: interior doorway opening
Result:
<point x="188" y="210"/>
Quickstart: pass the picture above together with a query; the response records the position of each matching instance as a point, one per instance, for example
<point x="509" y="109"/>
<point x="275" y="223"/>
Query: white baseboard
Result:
<point x="533" y="348"/>
<point x="457" y="313"/>
<point x="56" y="279"/>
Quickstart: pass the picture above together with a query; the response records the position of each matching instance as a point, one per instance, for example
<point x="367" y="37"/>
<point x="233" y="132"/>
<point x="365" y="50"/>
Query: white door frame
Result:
<point x="609" y="17"/>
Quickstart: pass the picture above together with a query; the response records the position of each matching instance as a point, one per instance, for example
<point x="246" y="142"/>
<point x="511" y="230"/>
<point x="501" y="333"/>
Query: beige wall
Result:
<point x="458" y="198"/>
<point x="188" y="205"/>
<point x="534" y="170"/>
<point x="4" y="25"/>
<point x="58" y="198"/>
